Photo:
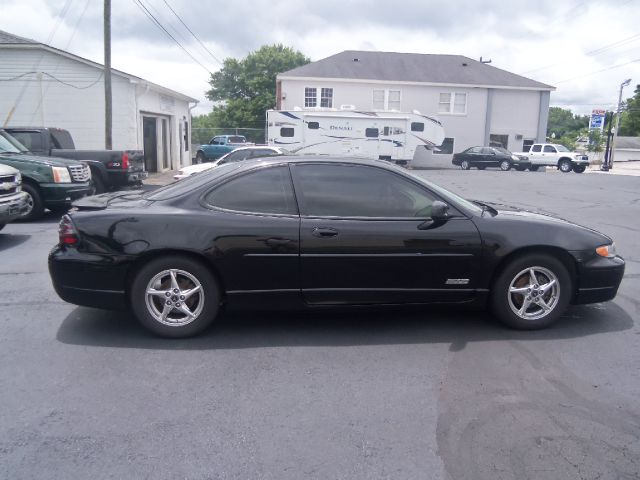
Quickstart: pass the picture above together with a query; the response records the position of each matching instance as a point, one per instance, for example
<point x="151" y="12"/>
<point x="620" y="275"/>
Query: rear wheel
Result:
<point x="200" y="158"/>
<point x="531" y="292"/>
<point x="98" y="186"/>
<point x="35" y="207"/>
<point x="579" y="168"/>
<point x="464" y="165"/>
<point x="533" y="168"/>
<point x="564" y="165"/>
<point x="175" y="296"/>
<point x="505" y="165"/>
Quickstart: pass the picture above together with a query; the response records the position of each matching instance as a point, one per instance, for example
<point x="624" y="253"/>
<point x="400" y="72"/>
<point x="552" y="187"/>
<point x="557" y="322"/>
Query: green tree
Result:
<point x="630" y="118"/>
<point x="243" y="90"/>
<point x="564" y="123"/>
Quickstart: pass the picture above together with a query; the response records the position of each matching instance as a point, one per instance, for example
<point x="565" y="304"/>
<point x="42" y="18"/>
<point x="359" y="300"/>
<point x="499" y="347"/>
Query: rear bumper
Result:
<point x="87" y="279"/>
<point x="122" y="178"/>
<point x="62" y="194"/>
<point x="599" y="279"/>
<point x="13" y="207"/>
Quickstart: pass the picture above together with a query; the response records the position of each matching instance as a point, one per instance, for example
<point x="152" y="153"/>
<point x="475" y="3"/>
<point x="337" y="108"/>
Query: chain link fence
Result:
<point x="201" y="136"/>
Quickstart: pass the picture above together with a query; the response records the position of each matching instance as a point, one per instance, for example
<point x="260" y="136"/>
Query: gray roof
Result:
<point x="413" y="67"/>
<point x="6" y="37"/>
<point x="628" y="142"/>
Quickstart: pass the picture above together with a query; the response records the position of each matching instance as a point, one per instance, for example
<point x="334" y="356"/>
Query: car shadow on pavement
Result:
<point x="10" y="240"/>
<point x="91" y="327"/>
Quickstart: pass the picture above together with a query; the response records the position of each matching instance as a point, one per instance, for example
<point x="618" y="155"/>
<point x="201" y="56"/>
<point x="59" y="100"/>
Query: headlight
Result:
<point x="18" y="177"/>
<point x="607" y="251"/>
<point x="61" y="175"/>
<point x="515" y="157"/>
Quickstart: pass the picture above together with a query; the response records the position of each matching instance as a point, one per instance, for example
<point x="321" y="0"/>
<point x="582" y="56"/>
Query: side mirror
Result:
<point x="439" y="210"/>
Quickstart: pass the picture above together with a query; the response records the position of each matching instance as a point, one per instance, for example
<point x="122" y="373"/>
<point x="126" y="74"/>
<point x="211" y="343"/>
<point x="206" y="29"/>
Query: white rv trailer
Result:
<point x="382" y="135"/>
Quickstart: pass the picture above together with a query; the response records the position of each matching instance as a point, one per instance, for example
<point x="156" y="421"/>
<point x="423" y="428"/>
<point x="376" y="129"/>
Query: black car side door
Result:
<point x="366" y="238"/>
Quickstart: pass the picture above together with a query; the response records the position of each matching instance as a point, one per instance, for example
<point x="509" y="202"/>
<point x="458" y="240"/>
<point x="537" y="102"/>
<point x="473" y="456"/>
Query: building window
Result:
<point x="446" y="148"/>
<point x="386" y="99"/>
<point x="326" y="97"/>
<point x="310" y="97"/>
<point x="526" y="145"/>
<point x="453" y="103"/>
<point x="499" y="140"/>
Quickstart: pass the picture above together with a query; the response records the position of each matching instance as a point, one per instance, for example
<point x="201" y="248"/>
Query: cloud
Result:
<point x="551" y="40"/>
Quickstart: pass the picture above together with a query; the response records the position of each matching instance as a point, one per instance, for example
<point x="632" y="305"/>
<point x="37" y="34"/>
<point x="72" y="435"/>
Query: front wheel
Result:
<point x="505" y="165"/>
<point x="565" y="166"/>
<point x="464" y="165"/>
<point x="35" y="207"/>
<point x="175" y="296"/>
<point x="579" y="168"/>
<point x="520" y="168"/>
<point x="531" y="292"/>
<point x="533" y="168"/>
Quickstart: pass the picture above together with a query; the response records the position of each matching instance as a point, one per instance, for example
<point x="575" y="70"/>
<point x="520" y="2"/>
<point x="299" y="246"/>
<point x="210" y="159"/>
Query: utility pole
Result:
<point x="108" y="107"/>
<point x="617" y="125"/>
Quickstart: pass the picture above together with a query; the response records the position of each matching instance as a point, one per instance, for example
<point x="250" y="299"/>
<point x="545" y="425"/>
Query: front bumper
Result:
<point x="581" y="163"/>
<point x="598" y="279"/>
<point x="88" y="279"/>
<point x="13" y="207"/>
<point x="62" y="194"/>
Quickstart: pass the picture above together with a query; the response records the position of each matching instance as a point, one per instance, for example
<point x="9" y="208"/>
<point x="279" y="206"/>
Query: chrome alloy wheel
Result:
<point x="534" y="293"/>
<point x="174" y="297"/>
<point x="30" y="203"/>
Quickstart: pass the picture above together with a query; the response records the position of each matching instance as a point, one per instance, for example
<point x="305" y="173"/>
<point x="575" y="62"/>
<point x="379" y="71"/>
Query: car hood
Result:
<point x="6" y="169"/>
<point x="122" y="199"/>
<point x="511" y="212"/>
<point x="49" y="161"/>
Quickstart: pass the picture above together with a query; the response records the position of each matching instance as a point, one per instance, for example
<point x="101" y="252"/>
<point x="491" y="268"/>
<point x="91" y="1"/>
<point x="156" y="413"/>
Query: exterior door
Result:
<point x="536" y="155"/>
<point x="363" y="241"/>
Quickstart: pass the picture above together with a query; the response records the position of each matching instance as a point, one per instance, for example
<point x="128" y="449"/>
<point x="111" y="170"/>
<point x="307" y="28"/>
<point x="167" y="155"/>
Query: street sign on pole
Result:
<point x="596" y="122"/>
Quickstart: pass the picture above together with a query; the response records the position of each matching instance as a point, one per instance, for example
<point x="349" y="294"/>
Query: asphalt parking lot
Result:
<point x="391" y="394"/>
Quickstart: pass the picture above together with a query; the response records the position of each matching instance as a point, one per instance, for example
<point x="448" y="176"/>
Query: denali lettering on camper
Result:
<point x="338" y="127"/>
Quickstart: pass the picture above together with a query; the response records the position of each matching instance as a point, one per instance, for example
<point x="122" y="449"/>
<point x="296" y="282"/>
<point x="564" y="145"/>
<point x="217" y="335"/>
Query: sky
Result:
<point x="586" y="49"/>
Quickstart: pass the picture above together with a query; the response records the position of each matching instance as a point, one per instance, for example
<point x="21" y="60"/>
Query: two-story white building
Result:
<point x="478" y="104"/>
<point x="43" y="86"/>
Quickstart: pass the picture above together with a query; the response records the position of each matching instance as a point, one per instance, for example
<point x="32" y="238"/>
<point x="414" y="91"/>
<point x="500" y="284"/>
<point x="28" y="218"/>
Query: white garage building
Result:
<point x="478" y="104"/>
<point x="44" y="86"/>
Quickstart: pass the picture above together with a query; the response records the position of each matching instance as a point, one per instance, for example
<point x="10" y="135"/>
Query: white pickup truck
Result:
<point x="553" y="155"/>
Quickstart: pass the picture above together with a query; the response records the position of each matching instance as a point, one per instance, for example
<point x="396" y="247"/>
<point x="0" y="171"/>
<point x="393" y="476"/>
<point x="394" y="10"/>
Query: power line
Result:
<point x="53" y="77"/>
<point x="160" y="26"/>
<point x="191" y="32"/>
<point x="599" y="71"/>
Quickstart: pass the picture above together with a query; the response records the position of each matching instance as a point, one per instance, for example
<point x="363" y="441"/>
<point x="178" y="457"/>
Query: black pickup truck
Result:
<point x="110" y="169"/>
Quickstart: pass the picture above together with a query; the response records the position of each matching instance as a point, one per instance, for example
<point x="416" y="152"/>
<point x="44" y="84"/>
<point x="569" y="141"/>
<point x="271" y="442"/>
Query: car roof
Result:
<point x="255" y="147"/>
<point x="302" y="159"/>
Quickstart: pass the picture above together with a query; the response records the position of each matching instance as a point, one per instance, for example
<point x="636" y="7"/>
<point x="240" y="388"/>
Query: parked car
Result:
<point x="110" y="169"/>
<point x="237" y="155"/>
<point x="13" y="201"/>
<point x="553" y="155"/>
<point x="219" y="146"/>
<point x="314" y="231"/>
<point x="483" y="157"/>
<point x="51" y="183"/>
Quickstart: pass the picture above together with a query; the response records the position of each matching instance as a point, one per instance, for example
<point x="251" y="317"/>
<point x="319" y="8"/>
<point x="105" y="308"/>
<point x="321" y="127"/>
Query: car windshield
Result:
<point x="6" y="146"/>
<point x="190" y="183"/>
<point x="502" y="150"/>
<point x="561" y="148"/>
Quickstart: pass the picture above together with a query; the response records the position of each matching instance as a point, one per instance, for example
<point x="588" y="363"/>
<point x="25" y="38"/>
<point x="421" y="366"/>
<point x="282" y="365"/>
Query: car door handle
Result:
<point x="277" y="242"/>
<point x="324" y="232"/>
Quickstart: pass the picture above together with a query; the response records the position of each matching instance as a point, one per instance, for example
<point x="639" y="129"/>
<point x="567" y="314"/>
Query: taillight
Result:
<point x="125" y="161"/>
<point x="67" y="233"/>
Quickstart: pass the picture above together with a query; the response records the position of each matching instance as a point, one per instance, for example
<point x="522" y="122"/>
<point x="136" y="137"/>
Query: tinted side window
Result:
<point x="549" y="149"/>
<point x="267" y="190"/>
<point x="286" y="132"/>
<point x="359" y="191"/>
<point x="31" y="140"/>
<point x="536" y="148"/>
<point x="475" y="150"/>
<point x="61" y="139"/>
<point x="371" y="132"/>
<point x="417" y="127"/>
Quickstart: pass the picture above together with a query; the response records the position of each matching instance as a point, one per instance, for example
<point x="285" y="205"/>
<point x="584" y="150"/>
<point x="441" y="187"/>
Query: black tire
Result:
<point x="481" y="167"/>
<point x="200" y="158"/>
<point x="534" y="168"/>
<point x="465" y="165"/>
<point x="505" y="165"/>
<point x="520" y="168"/>
<point x="579" y="168"/>
<point x="557" y="296"/>
<point x="98" y="186"/>
<point x="36" y="207"/>
<point x="565" y="165"/>
<point x="205" y="303"/>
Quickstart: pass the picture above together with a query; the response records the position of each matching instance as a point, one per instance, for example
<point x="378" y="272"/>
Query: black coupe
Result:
<point x="311" y="232"/>
<point x="483" y="157"/>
